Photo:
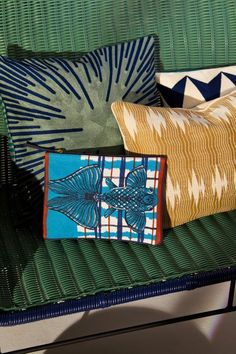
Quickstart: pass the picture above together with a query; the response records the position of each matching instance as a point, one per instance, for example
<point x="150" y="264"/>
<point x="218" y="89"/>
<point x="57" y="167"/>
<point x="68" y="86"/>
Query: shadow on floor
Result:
<point x="168" y="339"/>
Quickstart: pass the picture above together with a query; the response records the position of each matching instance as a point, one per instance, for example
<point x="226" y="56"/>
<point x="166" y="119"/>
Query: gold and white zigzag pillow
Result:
<point x="200" y="146"/>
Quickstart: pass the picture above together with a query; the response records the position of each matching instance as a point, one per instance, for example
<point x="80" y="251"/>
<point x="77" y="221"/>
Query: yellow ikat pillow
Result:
<point x="200" y="145"/>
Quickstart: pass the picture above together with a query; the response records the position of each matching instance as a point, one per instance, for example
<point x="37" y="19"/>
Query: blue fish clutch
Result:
<point x="103" y="197"/>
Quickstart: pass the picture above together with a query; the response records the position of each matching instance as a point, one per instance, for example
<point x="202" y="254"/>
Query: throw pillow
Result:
<point x="190" y="88"/>
<point x="57" y="103"/>
<point x="200" y="146"/>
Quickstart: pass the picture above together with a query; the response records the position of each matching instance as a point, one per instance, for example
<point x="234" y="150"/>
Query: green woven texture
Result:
<point x="189" y="34"/>
<point x="6" y="150"/>
<point x="35" y="272"/>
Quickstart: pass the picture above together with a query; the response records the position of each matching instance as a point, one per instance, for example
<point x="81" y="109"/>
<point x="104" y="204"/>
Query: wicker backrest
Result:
<point x="190" y="34"/>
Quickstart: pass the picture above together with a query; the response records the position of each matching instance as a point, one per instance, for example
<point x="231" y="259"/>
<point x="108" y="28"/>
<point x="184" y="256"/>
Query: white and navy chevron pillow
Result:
<point x="67" y="104"/>
<point x="190" y="88"/>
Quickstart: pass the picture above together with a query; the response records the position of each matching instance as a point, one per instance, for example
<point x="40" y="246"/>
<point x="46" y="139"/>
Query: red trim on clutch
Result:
<point x="45" y="209"/>
<point x="159" y="230"/>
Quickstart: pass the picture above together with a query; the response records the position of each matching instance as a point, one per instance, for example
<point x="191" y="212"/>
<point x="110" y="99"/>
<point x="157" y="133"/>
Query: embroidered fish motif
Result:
<point x="80" y="196"/>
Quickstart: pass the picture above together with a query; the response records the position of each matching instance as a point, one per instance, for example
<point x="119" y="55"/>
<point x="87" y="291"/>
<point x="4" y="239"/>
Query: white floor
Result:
<point x="212" y="335"/>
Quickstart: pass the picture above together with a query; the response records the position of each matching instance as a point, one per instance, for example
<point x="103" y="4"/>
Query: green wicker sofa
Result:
<point x="41" y="279"/>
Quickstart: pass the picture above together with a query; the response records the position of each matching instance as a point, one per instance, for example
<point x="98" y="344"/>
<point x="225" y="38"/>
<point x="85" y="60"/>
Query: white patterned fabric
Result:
<point x="188" y="89"/>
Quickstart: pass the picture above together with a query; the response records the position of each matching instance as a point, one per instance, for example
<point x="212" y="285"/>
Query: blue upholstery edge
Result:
<point x="103" y="300"/>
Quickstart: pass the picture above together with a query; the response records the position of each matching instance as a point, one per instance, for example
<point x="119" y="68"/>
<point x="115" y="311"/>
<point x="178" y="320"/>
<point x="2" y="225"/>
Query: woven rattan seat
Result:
<point x="41" y="279"/>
